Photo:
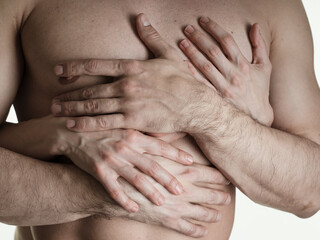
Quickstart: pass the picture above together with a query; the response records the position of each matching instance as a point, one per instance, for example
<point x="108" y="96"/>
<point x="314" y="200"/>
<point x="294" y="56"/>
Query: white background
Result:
<point x="254" y="222"/>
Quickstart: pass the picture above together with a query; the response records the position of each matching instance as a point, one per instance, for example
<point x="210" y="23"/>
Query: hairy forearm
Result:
<point x="41" y="193"/>
<point x="271" y="167"/>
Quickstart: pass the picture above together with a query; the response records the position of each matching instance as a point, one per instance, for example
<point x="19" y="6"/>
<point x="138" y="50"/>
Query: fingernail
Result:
<point x="189" y="29"/>
<point x="185" y="43"/>
<point x="58" y="70"/>
<point x="189" y="158"/>
<point x="70" y="123"/>
<point x="135" y="209"/>
<point x="56" y="108"/>
<point x="205" y="233"/>
<point x="204" y="20"/>
<point x="179" y="189"/>
<point x="145" y="21"/>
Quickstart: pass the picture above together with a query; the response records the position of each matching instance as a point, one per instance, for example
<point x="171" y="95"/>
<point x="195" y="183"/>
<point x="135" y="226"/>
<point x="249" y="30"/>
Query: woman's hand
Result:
<point x="180" y="212"/>
<point x="108" y="155"/>
<point x="245" y="84"/>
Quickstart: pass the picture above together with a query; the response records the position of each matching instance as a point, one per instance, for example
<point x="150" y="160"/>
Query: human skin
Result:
<point x="44" y="66"/>
<point x="218" y="138"/>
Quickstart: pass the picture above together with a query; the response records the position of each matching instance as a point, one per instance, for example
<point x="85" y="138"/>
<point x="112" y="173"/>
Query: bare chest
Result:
<point x="59" y="30"/>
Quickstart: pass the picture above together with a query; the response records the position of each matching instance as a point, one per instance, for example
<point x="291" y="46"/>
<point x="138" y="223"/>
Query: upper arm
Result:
<point x="294" y="92"/>
<point x="11" y="65"/>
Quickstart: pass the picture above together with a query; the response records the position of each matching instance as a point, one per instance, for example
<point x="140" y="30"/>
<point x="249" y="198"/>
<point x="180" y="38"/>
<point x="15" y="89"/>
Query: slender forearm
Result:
<point x="40" y="193"/>
<point x="34" y="138"/>
<point x="271" y="167"/>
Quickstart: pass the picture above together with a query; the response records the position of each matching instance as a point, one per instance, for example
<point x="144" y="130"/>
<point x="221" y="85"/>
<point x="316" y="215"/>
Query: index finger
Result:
<point x="97" y="67"/>
<point x="153" y="40"/>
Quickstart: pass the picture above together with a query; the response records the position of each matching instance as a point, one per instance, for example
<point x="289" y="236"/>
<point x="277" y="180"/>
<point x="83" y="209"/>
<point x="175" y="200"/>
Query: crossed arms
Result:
<point x="302" y="187"/>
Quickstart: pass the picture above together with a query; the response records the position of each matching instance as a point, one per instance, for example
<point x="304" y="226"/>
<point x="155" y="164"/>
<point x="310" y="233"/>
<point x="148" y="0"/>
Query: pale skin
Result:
<point x="12" y="76"/>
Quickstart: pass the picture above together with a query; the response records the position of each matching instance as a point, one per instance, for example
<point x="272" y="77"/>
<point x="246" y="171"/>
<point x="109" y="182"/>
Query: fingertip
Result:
<point x="70" y="123"/>
<point x="58" y="69"/>
<point x="184" y="44"/>
<point x="143" y="20"/>
<point x="134" y="208"/>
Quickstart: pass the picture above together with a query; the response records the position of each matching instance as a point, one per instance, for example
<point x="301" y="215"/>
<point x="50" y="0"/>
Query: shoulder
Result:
<point x="13" y="13"/>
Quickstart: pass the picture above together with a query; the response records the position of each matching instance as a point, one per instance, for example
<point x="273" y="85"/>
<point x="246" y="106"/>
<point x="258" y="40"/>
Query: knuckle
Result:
<point x="98" y="169"/>
<point x="162" y="146"/>
<point x="138" y="179"/>
<point x="91" y="66"/>
<point x="102" y="122"/>
<point x="153" y="169"/>
<point x="214" y="51"/>
<point x="115" y="194"/>
<point x="236" y="80"/>
<point x="206" y="214"/>
<point x="206" y="67"/>
<point x="82" y="124"/>
<point x="244" y="67"/>
<point x="87" y="93"/>
<point x="68" y="108"/>
<point x="132" y="67"/>
<point x="227" y="40"/>
<point x="190" y="229"/>
<point x="121" y="146"/>
<point x="91" y="106"/>
<point x="128" y="87"/>
<point x="131" y="135"/>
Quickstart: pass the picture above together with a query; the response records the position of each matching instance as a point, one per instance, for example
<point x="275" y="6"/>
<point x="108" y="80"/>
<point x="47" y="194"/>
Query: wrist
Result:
<point x="62" y="138"/>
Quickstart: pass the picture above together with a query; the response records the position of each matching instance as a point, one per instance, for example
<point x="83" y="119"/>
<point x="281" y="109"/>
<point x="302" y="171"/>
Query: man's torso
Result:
<point x="59" y="30"/>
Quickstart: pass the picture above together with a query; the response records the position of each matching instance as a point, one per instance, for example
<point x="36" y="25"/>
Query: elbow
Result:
<point x="307" y="209"/>
<point x="306" y="213"/>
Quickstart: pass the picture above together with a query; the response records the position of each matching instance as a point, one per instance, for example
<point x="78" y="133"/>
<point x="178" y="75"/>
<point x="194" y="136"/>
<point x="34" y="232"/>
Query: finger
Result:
<point x="202" y="195"/>
<point x="192" y="230"/>
<point x="259" y="47"/>
<point x="153" y="40"/>
<point x="204" y="65"/>
<point x="196" y="74"/>
<point x="98" y="123"/>
<point x="97" y="67"/>
<point x="142" y="184"/>
<point x="158" y="173"/>
<point x="203" y="214"/>
<point x="209" y="47"/>
<point x="98" y="91"/>
<point x="114" y="189"/>
<point x="168" y="137"/>
<point x="225" y="39"/>
<point x="88" y="107"/>
<point x="154" y="146"/>
<point x="206" y="174"/>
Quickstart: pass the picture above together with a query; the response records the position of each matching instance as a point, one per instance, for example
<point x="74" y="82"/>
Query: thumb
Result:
<point x="153" y="40"/>
<point x="259" y="47"/>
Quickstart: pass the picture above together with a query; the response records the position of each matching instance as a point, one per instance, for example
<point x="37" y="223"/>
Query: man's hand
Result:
<point x="158" y="95"/>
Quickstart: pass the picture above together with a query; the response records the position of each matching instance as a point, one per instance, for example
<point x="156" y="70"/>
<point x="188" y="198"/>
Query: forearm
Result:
<point x="40" y="193"/>
<point x="271" y="167"/>
<point x="34" y="138"/>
